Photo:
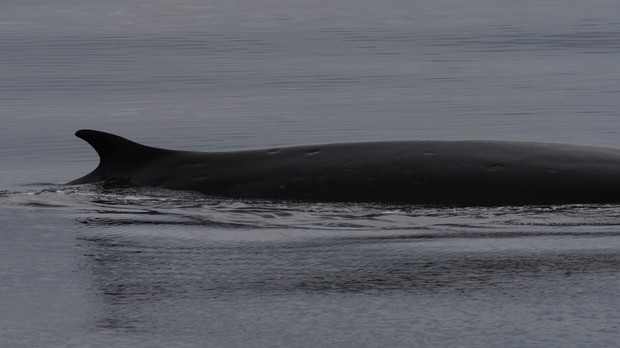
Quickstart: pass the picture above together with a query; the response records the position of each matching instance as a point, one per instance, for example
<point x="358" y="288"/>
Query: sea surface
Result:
<point x="98" y="266"/>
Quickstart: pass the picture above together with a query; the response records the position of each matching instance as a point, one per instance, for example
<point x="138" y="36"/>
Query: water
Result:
<point x="100" y="266"/>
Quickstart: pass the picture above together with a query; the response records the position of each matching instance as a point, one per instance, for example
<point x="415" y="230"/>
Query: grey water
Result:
<point x="97" y="266"/>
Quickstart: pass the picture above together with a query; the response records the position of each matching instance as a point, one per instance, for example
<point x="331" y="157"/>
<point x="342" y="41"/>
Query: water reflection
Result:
<point x="148" y="251"/>
<point x="128" y="273"/>
<point x="219" y="251"/>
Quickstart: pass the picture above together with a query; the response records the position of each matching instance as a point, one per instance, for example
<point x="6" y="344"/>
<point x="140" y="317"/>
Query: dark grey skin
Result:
<point x="451" y="173"/>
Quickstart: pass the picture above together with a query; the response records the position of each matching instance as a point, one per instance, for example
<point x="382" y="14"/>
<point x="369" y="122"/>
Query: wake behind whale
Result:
<point x="452" y="173"/>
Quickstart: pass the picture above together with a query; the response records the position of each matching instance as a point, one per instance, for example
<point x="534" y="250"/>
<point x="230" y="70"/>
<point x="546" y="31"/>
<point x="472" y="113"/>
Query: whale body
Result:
<point x="451" y="173"/>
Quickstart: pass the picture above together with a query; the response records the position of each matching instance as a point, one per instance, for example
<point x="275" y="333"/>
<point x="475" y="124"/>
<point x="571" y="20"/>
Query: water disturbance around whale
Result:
<point x="463" y="173"/>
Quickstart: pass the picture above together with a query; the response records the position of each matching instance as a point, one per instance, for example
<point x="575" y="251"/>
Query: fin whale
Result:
<point x="452" y="173"/>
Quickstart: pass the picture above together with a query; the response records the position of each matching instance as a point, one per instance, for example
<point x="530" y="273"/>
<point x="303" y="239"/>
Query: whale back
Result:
<point x="118" y="157"/>
<point x="470" y="172"/>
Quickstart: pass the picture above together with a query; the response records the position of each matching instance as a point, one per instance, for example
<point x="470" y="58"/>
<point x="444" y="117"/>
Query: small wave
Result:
<point x="102" y="206"/>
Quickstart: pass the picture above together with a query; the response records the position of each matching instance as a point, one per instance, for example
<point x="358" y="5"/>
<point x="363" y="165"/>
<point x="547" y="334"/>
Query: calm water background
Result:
<point x="101" y="267"/>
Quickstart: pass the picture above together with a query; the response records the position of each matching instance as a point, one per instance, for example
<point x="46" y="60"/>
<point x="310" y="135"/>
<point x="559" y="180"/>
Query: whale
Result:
<point x="417" y="172"/>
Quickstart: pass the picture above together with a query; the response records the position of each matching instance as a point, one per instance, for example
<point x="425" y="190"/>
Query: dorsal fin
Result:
<point x="118" y="156"/>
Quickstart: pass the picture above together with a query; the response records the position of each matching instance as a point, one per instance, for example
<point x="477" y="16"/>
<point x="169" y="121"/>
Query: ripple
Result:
<point x="103" y="206"/>
<point x="582" y="41"/>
